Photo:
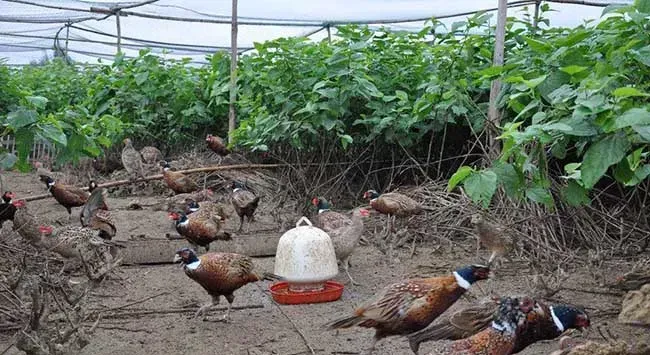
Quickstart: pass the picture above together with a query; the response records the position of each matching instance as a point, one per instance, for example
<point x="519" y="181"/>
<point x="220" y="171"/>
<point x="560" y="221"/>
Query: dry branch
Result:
<point x="159" y="176"/>
<point x="138" y="313"/>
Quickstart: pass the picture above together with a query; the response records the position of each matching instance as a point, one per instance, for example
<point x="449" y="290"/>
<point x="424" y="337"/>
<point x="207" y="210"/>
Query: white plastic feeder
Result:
<point x="305" y="257"/>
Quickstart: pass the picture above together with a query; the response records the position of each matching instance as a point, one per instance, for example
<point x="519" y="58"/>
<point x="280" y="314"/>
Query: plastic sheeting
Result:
<point x="194" y="28"/>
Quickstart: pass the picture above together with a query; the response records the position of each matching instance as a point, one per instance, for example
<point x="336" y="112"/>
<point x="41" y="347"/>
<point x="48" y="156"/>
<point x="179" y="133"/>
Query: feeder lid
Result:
<point x="305" y="254"/>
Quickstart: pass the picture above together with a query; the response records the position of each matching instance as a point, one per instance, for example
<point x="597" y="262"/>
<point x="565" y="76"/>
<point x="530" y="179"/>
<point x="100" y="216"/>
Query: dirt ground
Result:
<point x="259" y="325"/>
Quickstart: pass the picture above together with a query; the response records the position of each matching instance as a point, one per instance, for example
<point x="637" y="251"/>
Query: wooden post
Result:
<point x="119" y="32"/>
<point x="233" y="71"/>
<point x="493" y="112"/>
<point x="329" y="33"/>
<point x="536" y="13"/>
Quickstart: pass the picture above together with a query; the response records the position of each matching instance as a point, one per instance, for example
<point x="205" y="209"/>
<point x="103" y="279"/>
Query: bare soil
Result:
<point x="261" y="326"/>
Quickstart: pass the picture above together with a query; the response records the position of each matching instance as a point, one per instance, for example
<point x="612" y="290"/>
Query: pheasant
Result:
<point x="150" y="155"/>
<point x="207" y="209"/>
<point x="470" y="320"/>
<point x="409" y="306"/>
<point x="244" y="202"/>
<point x="217" y="145"/>
<point x="327" y="219"/>
<point x="180" y="201"/>
<point x="25" y="223"/>
<point x="95" y="214"/>
<point x="67" y="196"/>
<point x="7" y="209"/>
<point x="492" y="237"/>
<point x="177" y="181"/>
<point x="199" y="230"/>
<point x="497" y="339"/>
<point x="220" y="274"/>
<point x="83" y="244"/>
<point x="345" y="232"/>
<point x="393" y="204"/>
<point x="132" y="160"/>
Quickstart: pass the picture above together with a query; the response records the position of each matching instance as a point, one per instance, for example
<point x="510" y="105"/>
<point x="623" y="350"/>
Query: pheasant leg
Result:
<point x="206" y="307"/>
<point x="346" y="266"/>
<point x="241" y="223"/>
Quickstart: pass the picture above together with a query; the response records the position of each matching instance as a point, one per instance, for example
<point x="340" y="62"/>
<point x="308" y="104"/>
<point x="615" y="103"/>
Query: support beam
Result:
<point x="232" y="117"/>
<point x="536" y="13"/>
<point x="329" y="34"/>
<point x="119" y="33"/>
<point x="493" y="113"/>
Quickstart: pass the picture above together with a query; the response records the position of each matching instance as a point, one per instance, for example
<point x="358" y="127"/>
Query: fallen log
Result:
<point x="159" y="176"/>
<point x="161" y="251"/>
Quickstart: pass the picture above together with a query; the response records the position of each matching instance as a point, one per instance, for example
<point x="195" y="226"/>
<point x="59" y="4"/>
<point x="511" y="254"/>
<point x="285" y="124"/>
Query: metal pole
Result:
<point x="536" y="13"/>
<point x="119" y="32"/>
<point x="493" y="113"/>
<point x="67" y="39"/>
<point x="329" y="34"/>
<point x="233" y="71"/>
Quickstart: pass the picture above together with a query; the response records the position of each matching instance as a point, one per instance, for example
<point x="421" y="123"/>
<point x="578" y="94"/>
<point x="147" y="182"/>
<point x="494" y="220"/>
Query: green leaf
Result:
<point x="628" y="92"/>
<point x="633" y="117"/>
<point x="642" y="6"/>
<point x="53" y="134"/>
<point x="539" y="195"/>
<point x="539" y="116"/>
<point x="508" y="178"/>
<point x="7" y="160"/>
<point x="575" y="195"/>
<point x="37" y="101"/>
<point x="21" y="118"/>
<point x="345" y="140"/>
<point x="642" y="55"/>
<point x="600" y="156"/>
<point x="140" y="78"/>
<point x="573" y="69"/>
<point x="459" y="176"/>
<point x="643" y="131"/>
<point x="402" y="95"/>
<point x="538" y="46"/>
<point x="532" y="83"/>
<point x="481" y="186"/>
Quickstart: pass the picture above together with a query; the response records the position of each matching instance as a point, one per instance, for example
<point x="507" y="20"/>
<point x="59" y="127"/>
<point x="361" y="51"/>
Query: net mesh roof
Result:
<point x="194" y="28"/>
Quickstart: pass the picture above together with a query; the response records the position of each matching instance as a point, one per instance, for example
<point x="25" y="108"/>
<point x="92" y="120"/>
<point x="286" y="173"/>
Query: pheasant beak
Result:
<point x="366" y="195"/>
<point x="173" y="216"/>
<point x="177" y="258"/>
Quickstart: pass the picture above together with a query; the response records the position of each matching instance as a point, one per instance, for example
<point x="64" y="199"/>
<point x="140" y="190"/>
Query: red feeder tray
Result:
<point x="281" y="293"/>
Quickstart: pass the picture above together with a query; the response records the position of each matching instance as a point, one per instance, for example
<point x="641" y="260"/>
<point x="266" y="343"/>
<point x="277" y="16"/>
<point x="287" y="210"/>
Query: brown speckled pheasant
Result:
<point x="244" y="202"/>
<point x="132" y="160"/>
<point x="217" y="145"/>
<point x="151" y="155"/>
<point x="179" y="202"/>
<point x="344" y="231"/>
<point x="409" y="306"/>
<point x="393" y="204"/>
<point x="493" y="237"/>
<point x="177" y="181"/>
<point x="220" y="274"/>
